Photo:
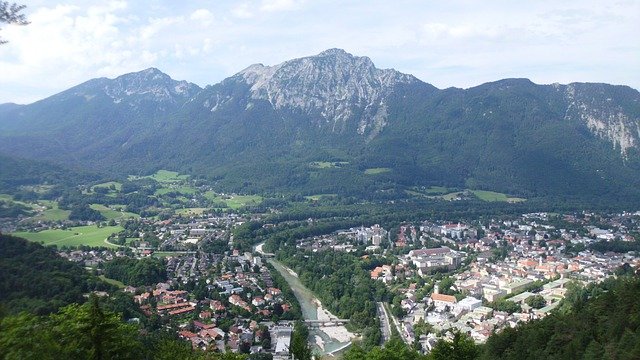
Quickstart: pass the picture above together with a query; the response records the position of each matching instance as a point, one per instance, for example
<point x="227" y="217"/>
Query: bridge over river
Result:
<point x="328" y="322"/>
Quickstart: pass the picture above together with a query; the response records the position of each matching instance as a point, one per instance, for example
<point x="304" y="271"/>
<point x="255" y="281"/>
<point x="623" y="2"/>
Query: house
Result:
<point x="441" y="301"/>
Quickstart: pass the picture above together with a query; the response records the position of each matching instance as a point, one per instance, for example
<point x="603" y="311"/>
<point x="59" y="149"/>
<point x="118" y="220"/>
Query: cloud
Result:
<point x="454" y="43"/>
<point x="279" y="5"/>
<point x="203" y="16"/>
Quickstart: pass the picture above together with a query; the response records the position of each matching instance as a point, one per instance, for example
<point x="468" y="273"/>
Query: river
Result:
<point x="324" y="340"/>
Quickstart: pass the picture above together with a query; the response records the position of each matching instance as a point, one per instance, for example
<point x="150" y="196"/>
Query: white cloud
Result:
<point x="279" y="5"/>
<point x="203" y="16"/>
<point x="243" y="11"/>
<point x="454" y="43"/>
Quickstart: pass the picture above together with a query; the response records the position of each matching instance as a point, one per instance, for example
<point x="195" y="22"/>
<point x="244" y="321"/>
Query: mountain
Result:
<point x="316" y="124"/>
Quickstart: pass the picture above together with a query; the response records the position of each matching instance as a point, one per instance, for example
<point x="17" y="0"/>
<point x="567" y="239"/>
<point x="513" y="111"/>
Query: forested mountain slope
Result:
<point x="316" y="124"/>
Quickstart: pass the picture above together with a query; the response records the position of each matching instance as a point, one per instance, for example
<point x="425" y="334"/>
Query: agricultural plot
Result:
<point x="163" y="176"/>
<point x="234" y="201"/>
<point x="328" y="164"/>
<point x="110" y="213"/>
<point x="376" y="171"/>
<point x="90" y="235"/>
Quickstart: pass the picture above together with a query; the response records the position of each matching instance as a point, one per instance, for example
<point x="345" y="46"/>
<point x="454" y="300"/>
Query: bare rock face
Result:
<point x="150" y="85"/>
<point x="334" y="86"/>
<point x="595" y="106"/>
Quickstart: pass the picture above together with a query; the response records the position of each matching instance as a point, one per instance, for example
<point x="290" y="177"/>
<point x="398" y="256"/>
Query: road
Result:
<point x="398" y="326"/>
<point x="385" y="327"/>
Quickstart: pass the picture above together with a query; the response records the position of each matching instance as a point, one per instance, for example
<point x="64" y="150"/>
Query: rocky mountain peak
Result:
<point x="151" y="84"/>
<point x="334" y="86"/>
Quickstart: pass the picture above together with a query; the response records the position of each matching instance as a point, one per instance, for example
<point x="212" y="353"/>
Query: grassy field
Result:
<point x="328" y="164"/>
<point x="495" y="196"/>
<point x="39" y="189"/>
<point x="76" y="236"/>
<point x="52" y="213"/>
<point x="434" y="190"/>
<point x="187" y="190"/>
<point x="489" y="196"/>
<point x="112" y="281"/>
<point x="191" y="211"/>
<point x="234" y="201"/>
<point x="375" y="171"/>
<point x="116" y="184"/>
<point x="113" y="214"/>
<point x="163" y="176"/>
<point x="319" y="196"/>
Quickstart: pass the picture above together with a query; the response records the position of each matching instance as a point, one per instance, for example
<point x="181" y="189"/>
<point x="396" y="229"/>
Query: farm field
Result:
<point x="163" y="176"/>
<point x="495" y="196"/>
<point x="375" y="171"/>
<point x="489" y="196"/>
<point x="113" y="214"/>
<point x="187" y="190"/>
<point x="82" y="235"/>
<point x="190" y="211"/>
<point x="234" y="201"/>
<point x="328" y="165"/>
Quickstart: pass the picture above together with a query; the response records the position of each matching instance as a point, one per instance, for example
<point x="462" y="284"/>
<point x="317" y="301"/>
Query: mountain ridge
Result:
<point x="259" y="130"/>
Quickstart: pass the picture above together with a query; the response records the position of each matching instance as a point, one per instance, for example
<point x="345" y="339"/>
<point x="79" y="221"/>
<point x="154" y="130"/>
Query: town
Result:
<point x="471" y="277"/>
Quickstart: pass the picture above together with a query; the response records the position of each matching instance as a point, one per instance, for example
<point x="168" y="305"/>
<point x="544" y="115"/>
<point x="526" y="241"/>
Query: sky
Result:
<point x="461" y="43"/>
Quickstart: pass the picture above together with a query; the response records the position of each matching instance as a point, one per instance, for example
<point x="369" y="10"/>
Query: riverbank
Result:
<point x="339" y="333"/>
<point x="327" y="339"/>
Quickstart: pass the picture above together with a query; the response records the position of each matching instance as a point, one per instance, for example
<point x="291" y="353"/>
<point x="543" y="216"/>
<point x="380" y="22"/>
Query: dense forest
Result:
<point x="598" y="322"/>
<point x="90" y="331"/>
<point x="147" y="271"/>
<point x="35" y="279"/>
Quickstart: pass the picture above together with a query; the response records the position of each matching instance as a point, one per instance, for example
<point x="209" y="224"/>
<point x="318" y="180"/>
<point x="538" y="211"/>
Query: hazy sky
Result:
<point x="445" y="43"/>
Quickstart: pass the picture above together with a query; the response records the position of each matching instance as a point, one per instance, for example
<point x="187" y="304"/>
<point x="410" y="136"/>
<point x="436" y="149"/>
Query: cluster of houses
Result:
<point x="536" y="264"/>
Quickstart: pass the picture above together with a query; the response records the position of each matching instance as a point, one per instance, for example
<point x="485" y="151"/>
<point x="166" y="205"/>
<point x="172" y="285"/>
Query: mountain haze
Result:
<point x="267" y="127"/>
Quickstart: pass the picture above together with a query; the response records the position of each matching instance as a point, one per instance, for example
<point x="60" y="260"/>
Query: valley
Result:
<point x="322" y="207"/>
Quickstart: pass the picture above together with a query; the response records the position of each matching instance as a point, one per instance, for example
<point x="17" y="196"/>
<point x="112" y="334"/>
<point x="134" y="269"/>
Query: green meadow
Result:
<point x="81" y="235"/>
<point x="110" y="213"/>
<point x="234" y="201"/>
<point x="375" y="171"/>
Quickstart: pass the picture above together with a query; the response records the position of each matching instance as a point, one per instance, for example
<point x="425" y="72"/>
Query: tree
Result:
<point x="10" y="14"/>
<point x="461" y="348"/>
<point x="299" y="342"/>
<point x="536" y="301"/>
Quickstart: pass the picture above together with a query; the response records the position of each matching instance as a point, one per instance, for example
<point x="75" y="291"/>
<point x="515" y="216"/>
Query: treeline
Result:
<point x="84" y="213"/>
<point x="461" y="347"/>
<point x="615" y="246"/>
<point x="12" y="210"/>
<point x="147" y="271"/>
<point x="601" y="322"/>
<point x="295" y="313"/>
<point x="90" y="331"/>
<point x="35" y="279"/>
<point x="343" y="285"/>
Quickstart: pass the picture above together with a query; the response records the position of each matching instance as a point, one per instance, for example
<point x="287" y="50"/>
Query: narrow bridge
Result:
<point x="329" y="322"/>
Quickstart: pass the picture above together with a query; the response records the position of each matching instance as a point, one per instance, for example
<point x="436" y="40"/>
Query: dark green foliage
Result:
<point x="616" y="246"/>
<point x="606" y="326"/>
<point x="35" y="279"/>
<point x="300" y="342"/>
<point x="505" y="305"/>
<point x="536" y="301"/>
<point x="461" y="348"/>
<point x="85" y="213"/>
<point x="12" y="209"/>
<point x="147" y="271"/>
<point x="342" y="285"/>
<point x="279" y="282"/>
<point x="87" y="332"/>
